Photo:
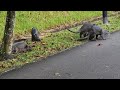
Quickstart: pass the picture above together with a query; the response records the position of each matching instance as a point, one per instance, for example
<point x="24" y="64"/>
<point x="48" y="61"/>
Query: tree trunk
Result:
<point x="105" y="19"/>
<point x="8" y="35"/>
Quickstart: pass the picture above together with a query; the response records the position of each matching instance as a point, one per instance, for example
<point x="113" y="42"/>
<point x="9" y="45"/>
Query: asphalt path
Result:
<point x="93" y="60"/>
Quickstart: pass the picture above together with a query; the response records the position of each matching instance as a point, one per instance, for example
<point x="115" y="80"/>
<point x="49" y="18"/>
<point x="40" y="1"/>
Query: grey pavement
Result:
<point x="89" y="61"/>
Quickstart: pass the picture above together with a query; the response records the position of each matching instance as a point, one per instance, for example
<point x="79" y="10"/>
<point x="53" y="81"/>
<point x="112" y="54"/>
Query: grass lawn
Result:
<point x="55" y="42"/>
<point x="45" y="20"/>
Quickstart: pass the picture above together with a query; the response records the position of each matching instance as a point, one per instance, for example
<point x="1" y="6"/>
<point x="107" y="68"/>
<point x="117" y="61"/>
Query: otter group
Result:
<point x="87" y="31"/>
<point x="92" y="32"/>
<point x="20" y="46"/>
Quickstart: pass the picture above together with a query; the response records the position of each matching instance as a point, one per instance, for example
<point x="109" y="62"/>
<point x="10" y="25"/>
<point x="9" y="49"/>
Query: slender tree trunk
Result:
<point x="105" y="19"/>
<point x="8" y="35"/>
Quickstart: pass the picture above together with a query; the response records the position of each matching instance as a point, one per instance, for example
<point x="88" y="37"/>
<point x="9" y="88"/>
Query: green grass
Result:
<point x="53" y="44"/>
<point x="44" y="20"/>
<point x="114" y="24"/>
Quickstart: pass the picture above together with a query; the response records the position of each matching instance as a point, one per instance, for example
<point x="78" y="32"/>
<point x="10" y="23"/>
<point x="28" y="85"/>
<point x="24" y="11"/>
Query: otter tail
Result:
<point x="73" y="31"/>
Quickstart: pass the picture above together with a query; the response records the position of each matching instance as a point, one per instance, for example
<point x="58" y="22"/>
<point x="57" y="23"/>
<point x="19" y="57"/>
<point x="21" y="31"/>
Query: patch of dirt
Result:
<point x="28" y="37"/>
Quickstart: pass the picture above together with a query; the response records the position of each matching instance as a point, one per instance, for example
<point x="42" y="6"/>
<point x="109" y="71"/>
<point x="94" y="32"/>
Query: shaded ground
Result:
<point x="94" y="60"/>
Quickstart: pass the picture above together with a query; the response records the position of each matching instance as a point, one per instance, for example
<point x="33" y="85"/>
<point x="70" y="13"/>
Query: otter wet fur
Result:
<point x="20" y="47"/>
<point x="35" y="34"/>
<point x="83" y="31"/>
<point x="98" y="31"/>
<point x="105" y="35"/>
<point x="91" y="32"/>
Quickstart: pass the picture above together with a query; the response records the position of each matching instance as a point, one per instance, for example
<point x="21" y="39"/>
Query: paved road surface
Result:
<point x="83" y="62"/>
